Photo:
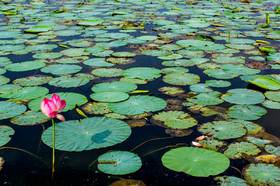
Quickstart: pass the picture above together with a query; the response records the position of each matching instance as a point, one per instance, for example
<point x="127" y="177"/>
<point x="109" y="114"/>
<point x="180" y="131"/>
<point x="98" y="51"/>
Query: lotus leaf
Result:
<point x="52" y="55"/>
<point x="223" y="129"/>
<point x="10" y="109"/>
<point x="9" y="88"/>
<point x="239" y="150"/>
<point x="123" y="54"/>
<point x="109" y="72"/>
<point x="97" y="108"/>
<point x="230" y="180"/>
<point x="272" y="150"/>
<point x="274" y="57"/>
<point x="30" y="118"/>
<point x="114" y="86"/>
<point x="271" y="104"/>
<point x="195" y="161"/>
<point x="120" y="60"/>
<point x="174" y="70"/>
<point x="138" y="105"/>
<point x="156" y="53"/>
<point x="243" y="96"/>
<point x="257" y="141"/>
<point x="174" y="119"/>
<point x="4" y="80"/>
<point x="87" y="134"/>
<point x="5" y="133"/>
<point x="200" y="87"/>
<point x="42" y="47"/>
<point x="72" y="99"/>
<point x="147" y="38"/>
<point x="219" y="74"/>
<point x="217" y="83"/>
<point x="90" y="22"/>
<point x="123" y="162"/>
<point x="171" y="91"/>
<point x="212" y="144"/>
<point x="210" y="98"/>
<point x="38" y="29"/>
<point x="251" y="127"/>
<point x="97" y="62"/>
<point x="228" y="59"/>
<point x="273" y="95"/>
<point x="181" y="78"/>
<point x="67" y="33"/>
<point x="112" y="96"/>
<point x="69" y="81"/>
<point x="246" y="112"/>
<point x="144" y="73"/>
<point x="61" y="69"/>
<point x="239" y="69"/>
<point x="32" y="81"/>
<point x="27" y="93"/>
<point x="262" y="174"/>
<point x="72" y="52"/>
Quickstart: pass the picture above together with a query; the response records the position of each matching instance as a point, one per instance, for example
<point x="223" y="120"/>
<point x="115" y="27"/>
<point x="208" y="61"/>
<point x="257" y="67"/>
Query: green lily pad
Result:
<point x="32" y="81"/>
<point x="200" y="87"/>
<point x="107" y="72"/>
<point x="38" y="29"/>
<point x="30" y="118"/>
<point x="174" y="70"/>
<point x="243" y="96"/>
<point x="246" y="112"/>
<point x="97" y="62"/>
<point x="239" y="69"/>
<point x="90" y="22"/>
<point x="112" y="96"/>
<point x="156" y="53"/>
<point x="271" y="104"/>
<point x="251" y="127"/>
<point x="239" y="150"/>
<point x="218" y="83"/>
<point x="87" y="134"/>
<point x="73" y="52"/>
<point x="195" y="161"/>
<point x="273" y="95"/>
<point x="272" y="150"/>
<point x="138" y="105"/>
<point x="144" y="73"/>
<point x="27" y="93"/>
<point x="274" y="57"/>
<point x="114" y="86"/>
<point x="212" y="144"/>
<point x="5" y="133"/>
<point x="61" y="69"/>
<point x="262" y="174"/>
<point x="219" y="74"/>
<point x="257" y="141"/>
<point x="69" y="81"/>
<point x="181" y="78"/>
<point x="123" y="54"/>
<point x="223" y="129"/>
<point x="9" y="88"/>
<point x="119" y="162"/>
<point x="10" y="109"/>
<point x="210" y="98"/>
<point x="230" y="180"/>
<point x="4" y="80"/>
<point x="52" y="55"/>
<point x="174" y="119"/>
<point x="171" y="91"/>
<point x="72" y="99"/>
<point x="97" y="108"/>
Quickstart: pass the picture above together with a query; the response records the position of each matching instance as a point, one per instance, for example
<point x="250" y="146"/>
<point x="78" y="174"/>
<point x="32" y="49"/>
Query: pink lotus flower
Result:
<point x="51" y="107"/>
<point x="196" y="144"/>
<point x="199" y="138"/>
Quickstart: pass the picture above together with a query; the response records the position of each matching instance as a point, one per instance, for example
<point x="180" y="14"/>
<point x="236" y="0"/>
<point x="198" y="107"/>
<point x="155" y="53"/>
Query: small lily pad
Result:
<point x="195" y="161"/>
<point x="262" y="174"/>
<point x="119" y="162"/>
<point x="223" y="129"/>
<point x="5" y="133"/>
<point x="109" y="96"/>
<point x="246" y="112"/>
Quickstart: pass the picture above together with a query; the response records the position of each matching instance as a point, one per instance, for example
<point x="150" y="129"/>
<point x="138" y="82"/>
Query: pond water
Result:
<point x="190" y="63"/>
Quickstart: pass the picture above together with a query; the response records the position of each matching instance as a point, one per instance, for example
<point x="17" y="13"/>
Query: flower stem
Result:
<point x="53" y="152"/>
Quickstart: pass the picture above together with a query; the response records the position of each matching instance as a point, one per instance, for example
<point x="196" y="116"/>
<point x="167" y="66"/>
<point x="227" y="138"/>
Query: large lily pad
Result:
<point x="114" y="86"/>
<point x="61" y="69"/>
<point x="243" y="96"/>
<point x="174" y="120"/>
<point x="138" y="105"/>
<point x="144" y="73"/>
<point x="10" y="109"/>
<point x="119" y="162"/>
<point x="27" y="93"/>
<point x="239" y="150"/>
<point x="5" y="133"/>
<point x="195" y="161"/>
<point x="246" y="112"/>
<point x="25" y="66"/>
<point x="181" y="78"/>
<point x="262" y="174"/>
<point x="109" y="96"/>
<point x="87" y="134"/>
<point x="223" y="129"/>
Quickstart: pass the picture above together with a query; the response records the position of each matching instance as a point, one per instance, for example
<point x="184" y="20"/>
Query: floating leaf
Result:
<point x="97" y="108"/>
<point x="61" y="69"/>
<point x="25" y="66"/>
<point x="272" y="150"/>
<point x="230" y="180"/>
<point x="246" y="112"/>
<point x="30" y="118"/>
<point x="144" y="73"/>
<point x="171" y="91"/>
<point x="195" y="161"/>
<point x="223" y="129"/>
<point x="32" y="81"/>
<point x="114" y="86"/>
<point x="212" y="144"/>
<point x="112" y="96"/>
<point x="217" y="83"/>
<point x="87" y="134"/>
<point x="181" y="78"/>
<point x="109" y="72"/>
<point x="200" y="87"/>
<point x="266" y="83"/>
<point x="262" y="174"/>
<point x="27" y="93"/>
<point x="273" y="95"/>
<point x="69" y="81"/>
<point x="174" y="119"/>
<point x="119" y="162"/>
<point x="210" y="98"/>
<point x="10" y="109"/>
<point x="5" y="133"/>
<point x="138" y="105"/>
<point x="239" y="150"/>
<point x="243" y="96"/>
